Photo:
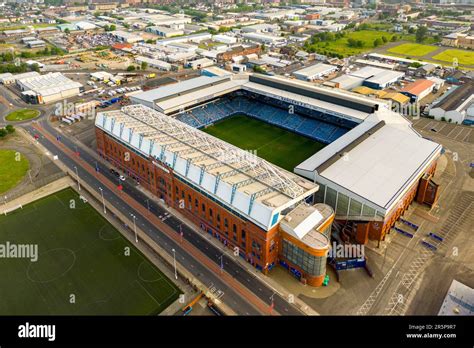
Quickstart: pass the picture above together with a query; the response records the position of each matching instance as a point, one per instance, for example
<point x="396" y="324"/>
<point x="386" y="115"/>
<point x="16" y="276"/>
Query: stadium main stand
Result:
<point x="207" y="114"/>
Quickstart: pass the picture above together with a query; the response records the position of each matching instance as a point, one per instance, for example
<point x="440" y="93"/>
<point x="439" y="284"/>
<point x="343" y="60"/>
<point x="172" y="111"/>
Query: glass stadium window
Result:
<point x="355" y="208"/>
<point x="218" y="218"/>
<point x="342" y="204"/>
<point x="368" y="211"/>
<point x="203" y="207"/>
<point x="319" y="195"/>
<point x="234" y="228"/>
<point x="226" y="223"/>
<point x="331" y="197"/>
<point x="196" y="203"/>
<point x="210" y="212"/>
<point x="243" y="234"/>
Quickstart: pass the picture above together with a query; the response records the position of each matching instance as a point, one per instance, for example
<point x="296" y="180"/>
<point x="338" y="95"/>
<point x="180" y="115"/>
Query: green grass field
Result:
<point x="276" y="145"/>
<point x="464" y="57"/>
<point x="22" y="115"/>
<point x="13" y="168"/>
<point x="340" y="46"/>
<point x="412" y="49"/>
<point x="79" y="254"/>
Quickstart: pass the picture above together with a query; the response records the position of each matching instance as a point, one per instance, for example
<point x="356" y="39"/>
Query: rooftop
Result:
<point x="455" y="100"/>
<point x="259" y="188"/>
<point x="315" y="69"/>
<point x="417" y="87"/>
<point x="384" y="155"/>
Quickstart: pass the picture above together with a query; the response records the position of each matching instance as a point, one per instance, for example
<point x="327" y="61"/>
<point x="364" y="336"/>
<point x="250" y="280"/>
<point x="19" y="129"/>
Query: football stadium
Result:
<point x="268" y="164"/>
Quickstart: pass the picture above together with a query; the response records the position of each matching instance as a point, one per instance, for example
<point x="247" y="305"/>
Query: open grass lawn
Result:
<point x="464" y="57"/>
<point x="276" y="145"/>
<point x="22" y="115"/>
<point x="80" y="256"/>
<point x="412" y="49"/>
<point x="13" y="168"/>
<point x="340" y="45"/>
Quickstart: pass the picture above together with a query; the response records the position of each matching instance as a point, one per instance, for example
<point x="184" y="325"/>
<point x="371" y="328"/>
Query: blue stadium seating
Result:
<point x="210" y="113"/>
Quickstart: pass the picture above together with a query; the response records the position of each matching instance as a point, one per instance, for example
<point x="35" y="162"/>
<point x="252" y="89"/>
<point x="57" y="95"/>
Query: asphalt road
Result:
<point x="246" y="278"/>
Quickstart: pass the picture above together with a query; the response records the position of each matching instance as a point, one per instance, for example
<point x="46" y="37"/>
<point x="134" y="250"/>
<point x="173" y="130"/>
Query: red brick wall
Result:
<point x="236" y="231"/>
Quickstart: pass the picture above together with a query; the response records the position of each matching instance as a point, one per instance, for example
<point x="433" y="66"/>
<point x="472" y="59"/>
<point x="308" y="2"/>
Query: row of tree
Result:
<point x="9" y="129"/>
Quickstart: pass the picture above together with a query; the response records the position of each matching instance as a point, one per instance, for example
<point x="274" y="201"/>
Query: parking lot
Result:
<point x="453" y="131"/>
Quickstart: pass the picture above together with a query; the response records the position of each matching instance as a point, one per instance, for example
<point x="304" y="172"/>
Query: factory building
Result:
<point x="43" y="89"/>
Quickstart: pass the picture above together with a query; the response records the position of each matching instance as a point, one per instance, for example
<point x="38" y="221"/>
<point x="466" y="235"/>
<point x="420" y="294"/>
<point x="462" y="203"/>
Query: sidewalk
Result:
<point x="275" y="286"/>
<point x="32" y="196"/>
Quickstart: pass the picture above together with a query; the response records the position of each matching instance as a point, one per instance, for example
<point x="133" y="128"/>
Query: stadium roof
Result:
<point x="375" y="162"/>
<point x="245" y="183"/>
<point x="179" y="95"/>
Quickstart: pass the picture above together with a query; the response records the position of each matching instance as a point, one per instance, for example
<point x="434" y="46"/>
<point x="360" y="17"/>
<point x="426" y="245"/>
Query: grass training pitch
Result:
<point x="22" y="115"/>
<point x="274" y="144"/>
<point x="464" y="57"/>
<point x="83" y="267"/>
<point x="13" y="168"/>
<point x="412" y="49"/>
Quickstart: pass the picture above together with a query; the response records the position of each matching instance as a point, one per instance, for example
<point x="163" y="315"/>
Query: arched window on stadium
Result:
<point x="226" y="223"/>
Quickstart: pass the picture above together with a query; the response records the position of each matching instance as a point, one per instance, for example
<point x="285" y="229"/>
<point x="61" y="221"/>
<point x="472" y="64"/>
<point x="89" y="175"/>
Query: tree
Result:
<point x="384" y="39"/>
<point x="411" y="30"/>
<point x="35" y="67"/>
<point x="377" y="42"/>
<point x="10" y="129"/>
<point x="3" y="133"/>
<point x="131" y="68"/>
<point x="144" y="65"/>
<point x="394" y="38"/>
<point x="67" y="31"/>
<point x="421" y="33"/>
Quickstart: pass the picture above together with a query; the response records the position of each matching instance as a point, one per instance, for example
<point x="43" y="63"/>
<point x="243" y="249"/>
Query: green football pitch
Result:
<point x="274" y="144"/>
<point x="84" y="266"/>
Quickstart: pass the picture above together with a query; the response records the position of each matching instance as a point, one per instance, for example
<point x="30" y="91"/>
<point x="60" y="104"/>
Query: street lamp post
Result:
<point x="174" y="263"/>
<point x="77" y="175"/>
<point x="103" y="200"/>
<point x="135" y="227"/>
<point x="222" y="262"/>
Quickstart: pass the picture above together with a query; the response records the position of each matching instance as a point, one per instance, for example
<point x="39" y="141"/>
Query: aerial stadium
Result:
<point x="353" y="164"/>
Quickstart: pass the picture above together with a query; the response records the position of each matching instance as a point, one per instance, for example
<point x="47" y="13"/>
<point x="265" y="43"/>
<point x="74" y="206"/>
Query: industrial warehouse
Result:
<point x="42" y="89"/>
<point x="274" y="216"/>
